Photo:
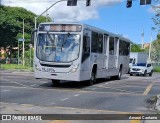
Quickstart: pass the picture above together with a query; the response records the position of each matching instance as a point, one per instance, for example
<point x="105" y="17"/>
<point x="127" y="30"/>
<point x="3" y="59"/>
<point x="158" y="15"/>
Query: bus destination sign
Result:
<point x="60" y="27"/>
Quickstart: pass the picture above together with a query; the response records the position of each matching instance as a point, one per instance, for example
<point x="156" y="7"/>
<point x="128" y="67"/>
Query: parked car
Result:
<point x="141" y="69"/>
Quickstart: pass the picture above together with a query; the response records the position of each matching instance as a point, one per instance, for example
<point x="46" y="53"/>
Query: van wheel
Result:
<point x="92" y="79"/>
<point x="131" y="74"/>
<point x="145" y="72"/>
<point x="55" y="82"/>
<point x="150" y="74"/>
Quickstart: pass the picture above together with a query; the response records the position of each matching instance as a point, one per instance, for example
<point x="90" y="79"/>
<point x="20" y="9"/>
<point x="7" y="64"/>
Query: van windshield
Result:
<point x="141" y="64"/>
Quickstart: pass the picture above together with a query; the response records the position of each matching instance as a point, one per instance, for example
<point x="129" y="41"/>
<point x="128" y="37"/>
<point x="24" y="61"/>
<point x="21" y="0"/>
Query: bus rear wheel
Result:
<point x="55" y="82"/>
<point x="93" y="78"/>
<point x="118" y="77"/>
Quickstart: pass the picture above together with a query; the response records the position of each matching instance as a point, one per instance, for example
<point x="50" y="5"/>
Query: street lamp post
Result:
<point x="23" y="43"/>
<point x="150" y="45"/>
<point x="142" y="39"/>
<point x="46" y="11"/>
<point x="18" y="55"/>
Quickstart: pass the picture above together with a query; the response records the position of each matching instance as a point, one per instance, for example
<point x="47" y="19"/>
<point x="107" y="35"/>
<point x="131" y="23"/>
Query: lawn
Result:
<point x="15" y="66"/>
<point x="157" y="69"/>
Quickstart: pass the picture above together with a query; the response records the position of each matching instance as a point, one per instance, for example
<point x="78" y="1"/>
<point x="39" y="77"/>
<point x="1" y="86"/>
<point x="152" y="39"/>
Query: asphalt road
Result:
<point x="22" y="94"/>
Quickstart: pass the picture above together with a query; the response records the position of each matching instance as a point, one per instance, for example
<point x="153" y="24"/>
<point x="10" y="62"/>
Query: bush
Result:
<point x="157" y="69"/>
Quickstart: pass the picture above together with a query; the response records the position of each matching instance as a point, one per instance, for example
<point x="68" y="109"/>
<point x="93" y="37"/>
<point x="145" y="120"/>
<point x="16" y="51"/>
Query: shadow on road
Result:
<point x="77" y="85"/>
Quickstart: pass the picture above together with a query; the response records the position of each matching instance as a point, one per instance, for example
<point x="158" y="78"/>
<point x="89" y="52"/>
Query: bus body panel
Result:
<point x="108" y="62"/>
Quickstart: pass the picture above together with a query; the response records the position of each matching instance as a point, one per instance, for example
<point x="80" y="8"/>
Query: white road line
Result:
<point x="6" y="90"/>
<point x="76" y="95"/>
<point x="15" y="82"/>
<point x="33" y="85"/>
<point x="64" y="99"/>
<point x="93" y="89"/>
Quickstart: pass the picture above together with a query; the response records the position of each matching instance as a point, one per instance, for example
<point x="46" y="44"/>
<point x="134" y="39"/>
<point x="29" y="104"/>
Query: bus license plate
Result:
<point x="46" y="69"/>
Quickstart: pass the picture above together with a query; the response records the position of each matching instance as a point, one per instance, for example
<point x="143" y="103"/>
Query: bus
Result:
<point x="78" y="52"/>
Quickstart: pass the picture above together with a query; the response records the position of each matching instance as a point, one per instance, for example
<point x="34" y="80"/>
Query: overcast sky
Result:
<point x="111" y="15"/>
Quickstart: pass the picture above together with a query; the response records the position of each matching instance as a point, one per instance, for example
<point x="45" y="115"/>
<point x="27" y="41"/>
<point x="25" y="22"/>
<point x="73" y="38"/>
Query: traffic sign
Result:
<point x="21" y="39"/>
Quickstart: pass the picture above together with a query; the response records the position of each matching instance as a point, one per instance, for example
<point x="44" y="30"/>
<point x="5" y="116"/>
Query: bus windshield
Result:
<point x="58" y="47"/>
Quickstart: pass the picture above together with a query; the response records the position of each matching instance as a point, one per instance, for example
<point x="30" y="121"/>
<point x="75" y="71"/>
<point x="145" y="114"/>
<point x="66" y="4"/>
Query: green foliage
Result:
<point x="136" y="48"/>
<point x="157" y="69"/>
<point x="155" y="50"/>
<point x="11" y="25"/>
<point x="15" y="66"/>
<point x="158" y="37"/>
<point x="29" y="57"/>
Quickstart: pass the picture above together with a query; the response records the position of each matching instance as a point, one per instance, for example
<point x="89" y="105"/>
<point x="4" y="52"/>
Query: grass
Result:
<point x="21" y="67"/>
<point x="157" y="69"/>
<point x="15" y="66"/>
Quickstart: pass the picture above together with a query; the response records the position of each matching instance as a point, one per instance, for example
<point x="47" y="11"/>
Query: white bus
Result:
<point x="78" y="52"/>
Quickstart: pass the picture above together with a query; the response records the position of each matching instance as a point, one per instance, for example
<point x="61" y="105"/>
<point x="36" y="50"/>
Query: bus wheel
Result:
<point x="55" y="82"/>
<point x="118" y="77"/>
<point x="92" y="79"/>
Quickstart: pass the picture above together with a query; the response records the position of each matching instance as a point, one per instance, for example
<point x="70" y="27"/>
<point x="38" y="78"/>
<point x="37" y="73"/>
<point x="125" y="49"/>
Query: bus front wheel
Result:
<point x="55" y="82"/>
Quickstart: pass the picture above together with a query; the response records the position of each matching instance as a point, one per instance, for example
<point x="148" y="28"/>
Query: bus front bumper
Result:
<point x="58" y="76"/>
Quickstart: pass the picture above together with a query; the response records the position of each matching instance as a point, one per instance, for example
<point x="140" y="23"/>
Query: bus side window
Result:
<point x="86" y="48"/>
<point x="86" y="44"/>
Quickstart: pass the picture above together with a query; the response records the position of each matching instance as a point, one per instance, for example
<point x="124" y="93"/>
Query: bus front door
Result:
<point x="106" y="51"/>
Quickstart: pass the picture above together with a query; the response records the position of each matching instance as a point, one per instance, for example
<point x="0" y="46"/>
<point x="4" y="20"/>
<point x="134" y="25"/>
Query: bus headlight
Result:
<point x="75" y="67"/>
<point x="37" y="68"/>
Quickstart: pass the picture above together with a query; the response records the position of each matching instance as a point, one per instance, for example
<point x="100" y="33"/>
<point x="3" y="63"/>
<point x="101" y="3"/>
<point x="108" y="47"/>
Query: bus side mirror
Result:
<point x="33" y="36"/>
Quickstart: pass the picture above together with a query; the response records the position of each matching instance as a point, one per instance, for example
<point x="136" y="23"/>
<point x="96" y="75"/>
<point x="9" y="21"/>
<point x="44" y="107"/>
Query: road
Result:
<point x="21" y="93"/>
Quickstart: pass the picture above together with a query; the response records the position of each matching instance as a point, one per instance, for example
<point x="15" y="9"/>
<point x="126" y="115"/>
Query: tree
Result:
<point x="156" y="18"/>
<point x="136" y="48"/>
<point x="155" y="50"/>
<point x="11" y="25"/>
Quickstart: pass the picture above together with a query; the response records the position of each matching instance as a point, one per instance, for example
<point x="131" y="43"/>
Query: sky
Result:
<point x="110" y="15"/>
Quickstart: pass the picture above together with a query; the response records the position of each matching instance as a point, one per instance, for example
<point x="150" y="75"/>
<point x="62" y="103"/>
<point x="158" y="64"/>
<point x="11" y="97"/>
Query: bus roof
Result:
<point x="93" y="28"/>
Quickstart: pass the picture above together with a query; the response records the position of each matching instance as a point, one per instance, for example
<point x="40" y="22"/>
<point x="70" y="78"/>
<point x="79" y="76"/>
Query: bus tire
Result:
<point x="55" y="82"/>
<point x="118" y="77"/>
<point x="93" y="76"/>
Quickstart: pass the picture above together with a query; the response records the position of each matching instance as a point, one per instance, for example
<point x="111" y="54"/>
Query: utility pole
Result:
<point x="46" y="15"/>
<point x="150" y="45"/>
<point x="23" y="43"/>
<point x="142" y="39"/>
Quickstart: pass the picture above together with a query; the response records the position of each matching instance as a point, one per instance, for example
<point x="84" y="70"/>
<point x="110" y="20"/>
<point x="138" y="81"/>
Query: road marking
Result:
<point x="27" y="105"/>
<point x="53" y="103"/>
<point x="95" y="110"/>
<point x="64" y="99"/>
<point x="70" y="108"/>
<point x="59" y="121"/>
<point x="16" y="83"/>
<point x="148" y="88"/>
<point x="33" y="85"/>
<point x="76" y="95"/>
<point x="6" y="90"/>
<point x="77" y="90"/>
<point x="93" y="89"/>
<point x="135" y="121"/>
